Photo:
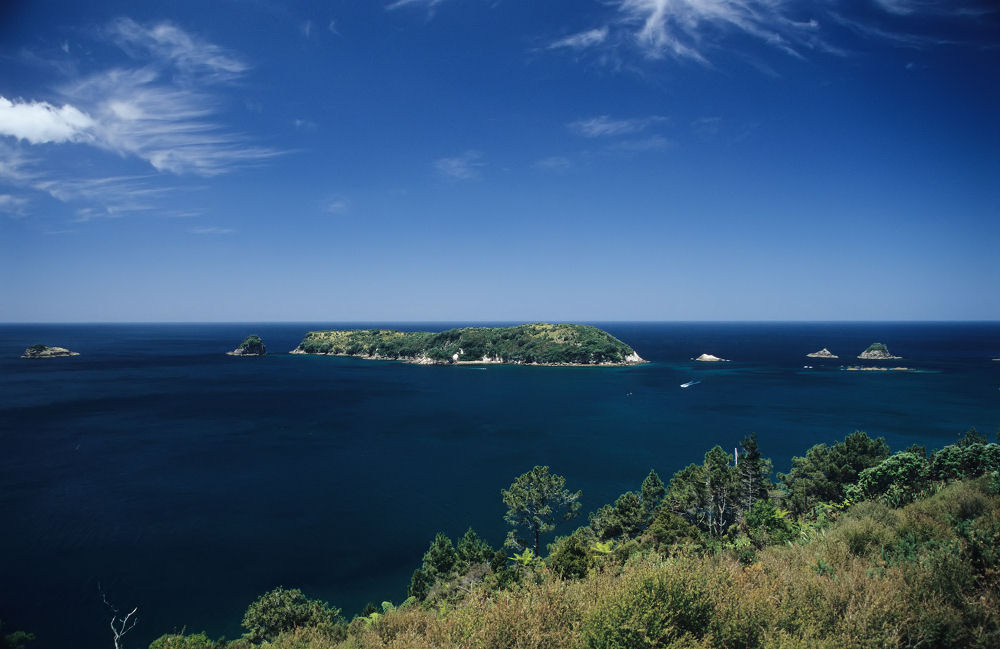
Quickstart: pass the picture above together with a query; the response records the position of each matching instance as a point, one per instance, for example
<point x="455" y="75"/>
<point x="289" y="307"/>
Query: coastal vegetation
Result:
<point x="45" y="351"/>
<point x="538" y="343"/>
<point x="877" y="351"/>
<point x="252" y="345"/>
<point x="855" y="546"/>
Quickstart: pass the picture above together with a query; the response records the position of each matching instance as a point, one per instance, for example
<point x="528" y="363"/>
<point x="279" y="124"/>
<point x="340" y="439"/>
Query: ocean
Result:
<point x="166" y="475"/>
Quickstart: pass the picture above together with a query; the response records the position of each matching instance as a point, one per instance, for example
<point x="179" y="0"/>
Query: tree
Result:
<point x="629" y="513"/>
<point x="687" y="495"/>
<point x="825" y="471"/>
<point x="438" y="562"/>
<point x="753" y="470"/>
<point x="651" y="493"/>
<point x="721" y="486"/>
<point x="536" y="501"/>
<point x="285" y="610"/>
<point x="472" y="549"/>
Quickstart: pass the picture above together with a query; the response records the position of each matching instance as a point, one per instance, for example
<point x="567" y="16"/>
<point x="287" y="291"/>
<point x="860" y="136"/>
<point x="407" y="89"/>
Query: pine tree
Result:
<point x="651" y="494"/>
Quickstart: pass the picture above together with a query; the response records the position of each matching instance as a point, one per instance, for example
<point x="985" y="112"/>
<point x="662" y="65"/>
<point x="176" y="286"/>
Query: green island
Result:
<point x="855" y="546"/>
<point x="527" y="344"/>
<point x="252" y="345"/>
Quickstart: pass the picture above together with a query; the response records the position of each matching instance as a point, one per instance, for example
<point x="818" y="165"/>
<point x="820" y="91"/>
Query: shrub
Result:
<point x="664" y="609"/>
<point x="285" y="610"/>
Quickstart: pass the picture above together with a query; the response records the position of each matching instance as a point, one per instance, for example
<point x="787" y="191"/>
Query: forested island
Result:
<point x="528" y="344"/>
<point x="855" y="546"/>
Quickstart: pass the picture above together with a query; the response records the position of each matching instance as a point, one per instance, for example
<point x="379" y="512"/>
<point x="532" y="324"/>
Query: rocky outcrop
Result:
<point x="709" y="358"/>
<point x="251" y="346"/>
<point x="823" y="353"/>
<point x="44" y="351"/>
<point x="877" y="352"/>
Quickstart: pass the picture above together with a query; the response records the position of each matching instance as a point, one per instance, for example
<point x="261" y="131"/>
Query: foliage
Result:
<point x="571" y="557"/>
<point x="15" y="639"/>
<point x="753" y="471"/>
<point x="668" y="530"/>
<point x="189" y="641"/>
<point x="768" y="525"/>
<point x="529" y="343"/>
<point x="664" y="609"/>
<point x="536" y="501"/>
<point x="651" y="494"/>
<point x="286" y="609"/>
<point x="252" y="344"/>
<point x="825" y="471"/>
<point x="898" y="479"/>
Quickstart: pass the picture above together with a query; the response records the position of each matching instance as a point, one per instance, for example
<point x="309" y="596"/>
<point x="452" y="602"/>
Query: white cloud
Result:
<point x="40" y="122"/>
<point x="337" y="206"/>
<point x="428" y="4"/>
<point x="582" y="40"/>
<point x="165" y="110"/>
<point x="606" y="126"/>
<point x="464" y="167"/>
<point x="556" y="163"/>
<point x="211" y="230"/>
<point x="166" y="42"/>
<point x="13" y="205"/>
<point x="638" y="145"/>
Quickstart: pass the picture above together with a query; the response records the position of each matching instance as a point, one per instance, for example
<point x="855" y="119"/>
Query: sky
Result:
<point x="499" y="160"/>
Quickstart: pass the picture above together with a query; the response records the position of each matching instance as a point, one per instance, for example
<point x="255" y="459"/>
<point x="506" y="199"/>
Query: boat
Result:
<point x="689" y="384"/>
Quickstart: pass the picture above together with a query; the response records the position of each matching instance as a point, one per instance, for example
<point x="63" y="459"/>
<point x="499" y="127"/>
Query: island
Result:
<point x="877" y="352"/>
<point x="823" y="353"/>
<point x="869" y="368"/>
<point x="252" y="345"/>
<point x="709" y="358"/>
<point x="539" y="343"/>
<point x="44" y="351"/>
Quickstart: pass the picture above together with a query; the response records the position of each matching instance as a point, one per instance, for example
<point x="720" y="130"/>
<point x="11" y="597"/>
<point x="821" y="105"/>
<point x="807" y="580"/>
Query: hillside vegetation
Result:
<point x="539" y="343"/>
<point x="853" y="548"/>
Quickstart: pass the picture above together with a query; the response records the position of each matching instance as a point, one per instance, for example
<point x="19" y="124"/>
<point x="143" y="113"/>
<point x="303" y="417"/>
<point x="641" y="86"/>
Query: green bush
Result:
<point x="661" y="610"/>
<point x="182" y="641"/>
<point x="285" y="610"/>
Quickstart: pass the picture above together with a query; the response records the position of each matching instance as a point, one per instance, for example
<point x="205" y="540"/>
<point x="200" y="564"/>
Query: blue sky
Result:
<point x="464" y="160"/>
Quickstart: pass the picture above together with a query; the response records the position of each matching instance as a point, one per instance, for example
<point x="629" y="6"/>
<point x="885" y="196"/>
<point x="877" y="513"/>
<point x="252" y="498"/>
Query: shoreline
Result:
<point x="423" y="360"/>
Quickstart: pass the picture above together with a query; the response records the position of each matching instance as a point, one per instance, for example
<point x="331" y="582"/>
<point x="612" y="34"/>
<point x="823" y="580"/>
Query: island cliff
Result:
<point x="44" y="351"/>
<point x="877" y="352"/>
<point x="252" y="345"/>
<point x="527" y="344"/>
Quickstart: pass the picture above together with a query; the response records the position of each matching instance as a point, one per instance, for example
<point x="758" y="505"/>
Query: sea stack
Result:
<point x="709" y="358"/>
<point x="823" y="353"/>
<point x="44" y="351"/>
<point x="251" y="346"/>
<point x="877" y="352"/>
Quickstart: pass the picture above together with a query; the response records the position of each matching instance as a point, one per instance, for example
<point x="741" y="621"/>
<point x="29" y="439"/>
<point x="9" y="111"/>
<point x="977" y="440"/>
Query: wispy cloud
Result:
<point x="642" y="144"/>
<point x="161" y="104"/>
<point x="167" y="43"/>
<point x="698" y="30"/>
<point x="582" y="40"/>
<point x="606" y="126"/>
<point x="12" y="205"/>
<point x="427" y="4"/>
<point x="556" y="164"/>
<point x="337" y="206"/>
<point x="463" y="167"/>
<point x="210" y="230"/>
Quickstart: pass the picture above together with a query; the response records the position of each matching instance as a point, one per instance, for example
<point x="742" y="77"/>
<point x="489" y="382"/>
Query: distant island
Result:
<point x="877" y="352"/>
<point x="710" y="358"/>
<point x="869" y="368"/>
<point x="252" y="345"/>
<point x="44" y="351"/>
<point x="823" y="353"/>
<point x="528" y="344"/>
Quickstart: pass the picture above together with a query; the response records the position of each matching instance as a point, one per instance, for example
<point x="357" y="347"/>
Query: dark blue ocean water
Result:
<point x="187" y="482"/>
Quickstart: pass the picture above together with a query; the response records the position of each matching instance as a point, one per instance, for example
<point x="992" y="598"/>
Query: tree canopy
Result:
<point x="536" y="501"/>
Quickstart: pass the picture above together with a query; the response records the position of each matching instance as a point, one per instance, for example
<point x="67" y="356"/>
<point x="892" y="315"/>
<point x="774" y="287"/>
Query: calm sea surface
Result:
<point x="187" y="482"/>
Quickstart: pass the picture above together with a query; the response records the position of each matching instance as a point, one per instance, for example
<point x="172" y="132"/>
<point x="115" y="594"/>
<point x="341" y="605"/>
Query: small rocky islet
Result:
<point x="45" y="351"/>
<point x="877" y="352"/>
<point x="823" y="353"/>
<point x="252" y="345"/>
